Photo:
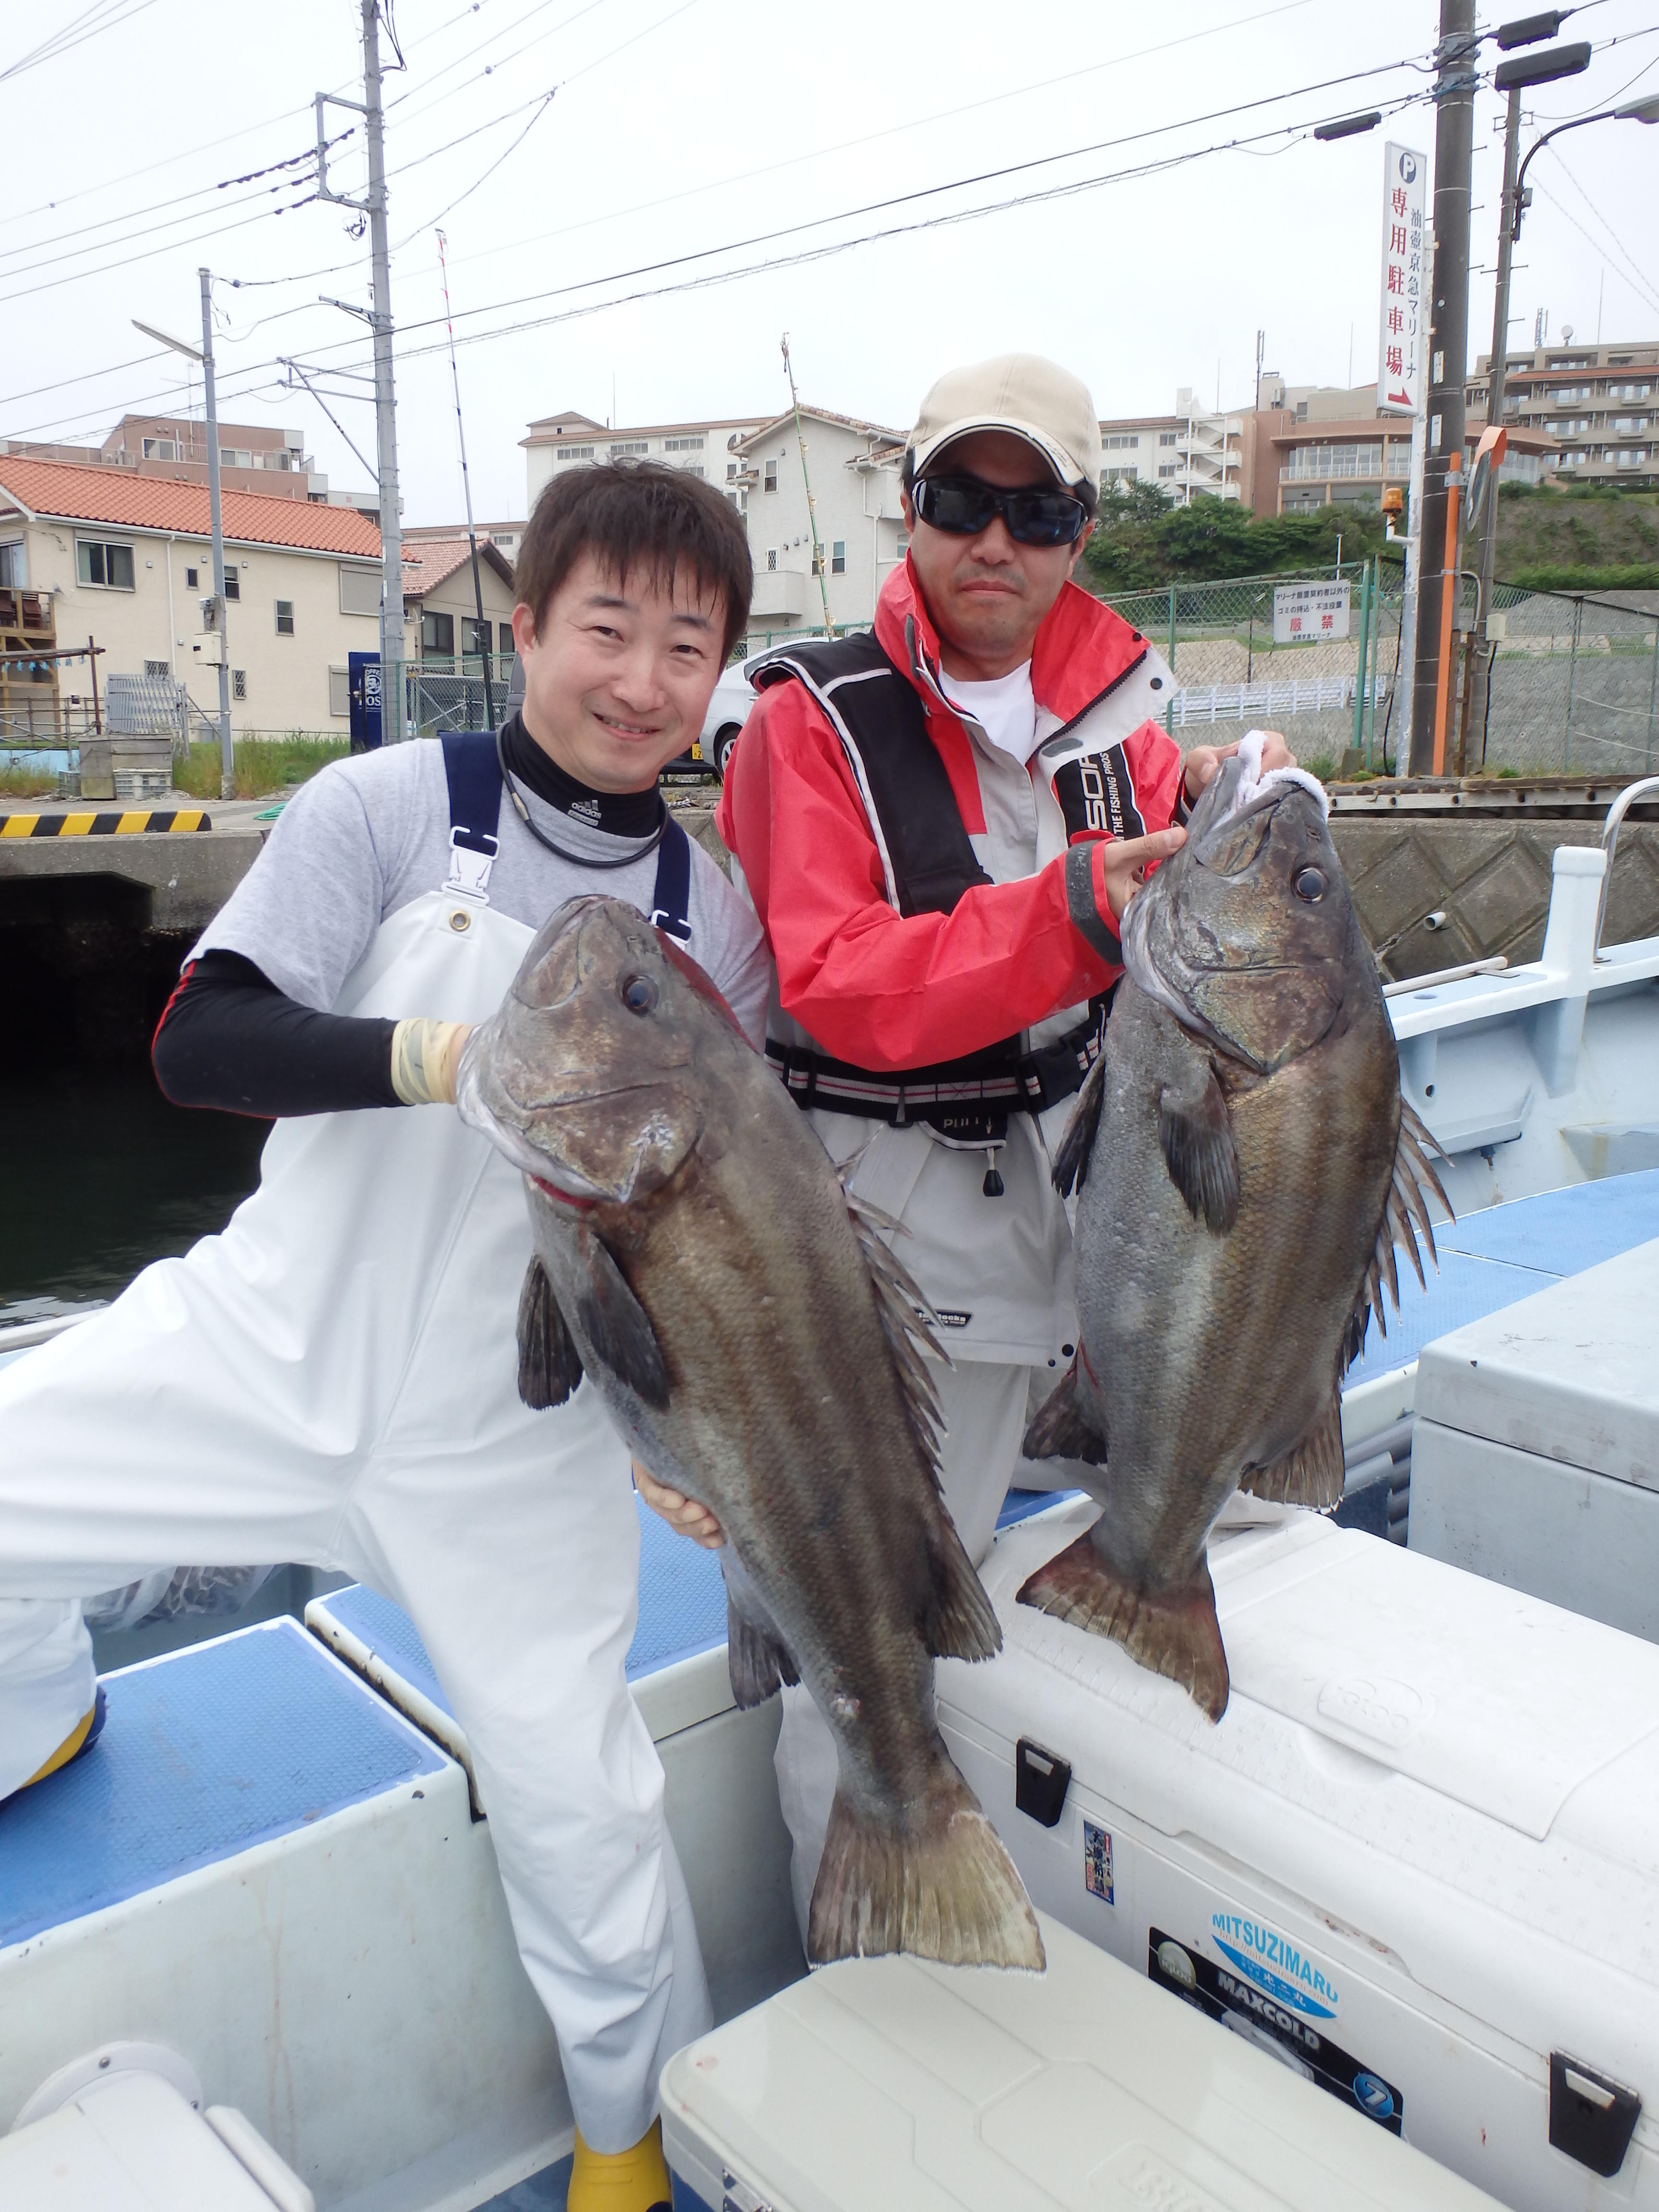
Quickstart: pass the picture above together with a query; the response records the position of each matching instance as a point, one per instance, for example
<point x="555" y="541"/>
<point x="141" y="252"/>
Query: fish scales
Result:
<point x="1243" y="1157"/>
<point x="704" y="1270"/>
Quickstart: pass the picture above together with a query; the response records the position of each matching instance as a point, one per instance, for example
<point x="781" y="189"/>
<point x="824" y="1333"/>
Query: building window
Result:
<point x="161" y="449"/>
<point x="284" y="618"/>
<point x="730" y="472"/>
<point x="577" y="454"/>
<point x="771" y="556"/>
<point x="339" y="691"/>
<point x="770" y="482"/>
<point x="904" y="544"/>
<point x="1119" y="471"/>
<point x="12" y="572"/>
<point x="190" y="579"/>
<point x="1630" y="392"/>
<point x="838" y="557"/>
<point x="235" y="457"/>
<point x="631" y="445"/>
<point x="437" y="632"/>
<point x="506" y="635"/>
<point x="682" y="444"/>
<point x="106" y="567"/>
<point x="1169" y="468"/>
<point x="157" y="668"/>
<point x="1167" y="438"/>
<point x="239" y="683"/>
<point x="1130" y="438"/>
<point x="691" y="469"/>
<point x="232" y="583"/>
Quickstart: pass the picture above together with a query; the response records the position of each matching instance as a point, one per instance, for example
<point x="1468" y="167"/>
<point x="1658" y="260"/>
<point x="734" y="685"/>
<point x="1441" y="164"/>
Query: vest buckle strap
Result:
<point x="957" y="1099"/>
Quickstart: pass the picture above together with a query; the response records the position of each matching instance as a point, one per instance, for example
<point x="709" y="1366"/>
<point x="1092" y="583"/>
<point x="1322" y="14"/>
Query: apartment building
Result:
<point x="1598" y="405"/>
<point x="174" y="449"/>
<point x="861" y="537"/>
<point x="707" y="449"/>
<point x="1192" y="453"/>
<point x="1314" y="446"/>
<point x="503" y="536"/>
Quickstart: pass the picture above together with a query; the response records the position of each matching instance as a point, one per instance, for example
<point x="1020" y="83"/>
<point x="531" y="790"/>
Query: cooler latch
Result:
<point x="1040" y="1781"/>
<point x="1592" y="2117"/>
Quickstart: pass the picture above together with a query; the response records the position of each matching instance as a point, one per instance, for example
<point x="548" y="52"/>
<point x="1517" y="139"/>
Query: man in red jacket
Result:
<point x="940" y="826"/>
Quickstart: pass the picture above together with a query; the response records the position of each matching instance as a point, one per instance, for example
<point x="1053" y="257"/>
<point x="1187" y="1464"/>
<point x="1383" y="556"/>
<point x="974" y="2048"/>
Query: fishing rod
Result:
<point x="466" y="493"/>
<point x="811" y="504"/>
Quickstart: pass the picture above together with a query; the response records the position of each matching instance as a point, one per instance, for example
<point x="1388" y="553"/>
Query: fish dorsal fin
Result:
<point x="1071" y="1168"/>
<point x="550" y="1366"/>
<point x="1405" y="1215"/>
<point x="1311" y="1472"/>
<point x="908" y="1322"/>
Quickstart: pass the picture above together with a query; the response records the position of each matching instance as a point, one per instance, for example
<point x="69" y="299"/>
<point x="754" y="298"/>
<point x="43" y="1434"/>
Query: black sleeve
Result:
<point x="229" y="1038"/>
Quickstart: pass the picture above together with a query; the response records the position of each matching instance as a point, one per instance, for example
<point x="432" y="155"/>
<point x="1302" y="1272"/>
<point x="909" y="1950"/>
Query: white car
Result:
<point x="728" y="710"/>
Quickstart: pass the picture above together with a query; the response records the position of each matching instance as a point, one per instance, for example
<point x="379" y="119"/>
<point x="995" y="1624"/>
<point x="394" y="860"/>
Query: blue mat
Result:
<point x="205" y="1754"/>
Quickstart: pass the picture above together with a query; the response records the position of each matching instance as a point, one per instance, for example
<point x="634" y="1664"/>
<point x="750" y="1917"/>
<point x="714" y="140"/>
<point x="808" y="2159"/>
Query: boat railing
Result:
<point x="1646" y="787"/>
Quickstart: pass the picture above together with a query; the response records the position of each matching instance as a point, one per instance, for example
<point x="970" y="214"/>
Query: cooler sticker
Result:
<point x="1249" y="2012"/>
<point x="1098" y="1862"/>
<point x="1274" y="1964"/>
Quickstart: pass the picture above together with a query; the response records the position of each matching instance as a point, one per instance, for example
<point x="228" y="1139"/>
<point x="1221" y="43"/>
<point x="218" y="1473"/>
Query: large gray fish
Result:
<point x="697" y="1258"/>
<point x="1247" y="1164"/>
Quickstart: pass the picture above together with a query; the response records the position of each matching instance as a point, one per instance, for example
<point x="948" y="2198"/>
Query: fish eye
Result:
<point x="1309" y="885"/>
<point x="639" y="993"/>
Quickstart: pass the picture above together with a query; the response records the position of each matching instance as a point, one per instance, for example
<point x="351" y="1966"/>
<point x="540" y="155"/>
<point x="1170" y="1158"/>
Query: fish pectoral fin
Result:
<point x="960" y="1622"/>
<point x="1311" y="1472"/>
<point x="1071" y="1168"/>
<point x="1172" y="1632"/>
<point x="758" y="1664"/>
<point x="1196" y="1132"/>
<point x="1405" y="1219"/>
<point x="550" y="1366"/>
<point x="946" y="1889"/>
<point x="1060" y="1428"/>
<point x="618" y="1328"/>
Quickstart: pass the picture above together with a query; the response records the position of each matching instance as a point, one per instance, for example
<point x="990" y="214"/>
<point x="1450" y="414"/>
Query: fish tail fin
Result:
<point x="946" y="1891"/>
<point x="1171" y="1631"/>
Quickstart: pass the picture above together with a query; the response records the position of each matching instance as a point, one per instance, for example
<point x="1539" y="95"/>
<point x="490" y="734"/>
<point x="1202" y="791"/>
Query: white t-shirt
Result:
<point x="1005" y="708"/>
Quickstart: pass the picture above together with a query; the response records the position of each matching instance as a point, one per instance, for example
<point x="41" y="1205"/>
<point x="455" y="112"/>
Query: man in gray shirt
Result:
<point x="333" y="1380"/>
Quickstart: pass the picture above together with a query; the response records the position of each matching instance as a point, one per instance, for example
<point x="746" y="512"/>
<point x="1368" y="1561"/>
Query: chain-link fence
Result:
<point x="1574" y="684"/>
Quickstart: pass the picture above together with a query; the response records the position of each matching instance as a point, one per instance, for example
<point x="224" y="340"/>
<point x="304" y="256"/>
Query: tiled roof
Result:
<point x="429" y="562"/>
<point x="126" y="501"/>
<point x="829" y="415"/>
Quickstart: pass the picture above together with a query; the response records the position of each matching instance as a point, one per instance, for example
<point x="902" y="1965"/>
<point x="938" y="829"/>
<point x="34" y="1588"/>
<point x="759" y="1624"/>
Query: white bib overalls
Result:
<point x="333" y="1381"/>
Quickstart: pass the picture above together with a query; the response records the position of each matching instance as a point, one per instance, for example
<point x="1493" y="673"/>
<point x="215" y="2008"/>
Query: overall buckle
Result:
<point x="470" y="864"/>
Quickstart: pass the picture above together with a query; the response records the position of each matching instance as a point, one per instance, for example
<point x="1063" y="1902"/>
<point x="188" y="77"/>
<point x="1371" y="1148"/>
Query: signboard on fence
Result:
<point x="1405" y="282"/>
<point x="364" y="691"/>
<point x="1305" y="613"/>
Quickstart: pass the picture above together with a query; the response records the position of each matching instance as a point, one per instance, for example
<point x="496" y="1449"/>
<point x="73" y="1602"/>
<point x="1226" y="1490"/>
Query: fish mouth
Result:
<point x="558" y="1180"/>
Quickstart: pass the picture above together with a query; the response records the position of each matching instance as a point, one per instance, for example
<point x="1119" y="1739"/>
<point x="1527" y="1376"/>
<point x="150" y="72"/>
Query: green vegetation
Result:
<point x="264" y="765"/>
<point x="1557" y="576"/>
<point x="1553" y="539"/>
<point x="1140" y="541"/>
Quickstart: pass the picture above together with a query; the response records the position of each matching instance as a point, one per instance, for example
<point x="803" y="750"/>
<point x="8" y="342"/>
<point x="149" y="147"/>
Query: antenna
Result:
<point x="466" y="492"/>
<point x="811" y="504"/>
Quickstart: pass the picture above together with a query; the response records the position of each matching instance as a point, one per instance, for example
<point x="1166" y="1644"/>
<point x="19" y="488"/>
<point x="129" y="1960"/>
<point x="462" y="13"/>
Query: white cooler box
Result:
<point x="888" y="2085"/>
<point x="1535" y="1455"/>
<point x="1417" y="1860"/>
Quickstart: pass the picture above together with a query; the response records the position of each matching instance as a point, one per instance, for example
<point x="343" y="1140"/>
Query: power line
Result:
<point x="128" y="260"/>
<point x="110" y="15"/>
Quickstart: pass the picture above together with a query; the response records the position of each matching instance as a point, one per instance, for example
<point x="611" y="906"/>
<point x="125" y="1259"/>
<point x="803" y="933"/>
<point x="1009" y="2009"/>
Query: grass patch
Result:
<point x="1559" y="576"/>
<point x="264" y="766"/>
<point x="1323" y="767"/>
<point x="27" y="782"/>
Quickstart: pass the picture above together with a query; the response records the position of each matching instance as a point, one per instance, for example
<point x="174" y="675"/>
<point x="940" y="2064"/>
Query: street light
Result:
<point x="204" y="354"/>
<point x="1511" y="77"/>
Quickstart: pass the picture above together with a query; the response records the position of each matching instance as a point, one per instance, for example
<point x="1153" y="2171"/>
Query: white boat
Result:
<point x="1403" y="1900"/>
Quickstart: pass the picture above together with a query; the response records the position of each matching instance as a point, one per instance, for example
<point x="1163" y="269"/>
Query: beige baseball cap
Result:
<point x="1021" y="393"/>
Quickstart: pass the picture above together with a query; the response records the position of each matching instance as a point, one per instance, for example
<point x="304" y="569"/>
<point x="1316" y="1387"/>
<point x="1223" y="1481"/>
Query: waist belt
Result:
<point x="961" y="1098"/>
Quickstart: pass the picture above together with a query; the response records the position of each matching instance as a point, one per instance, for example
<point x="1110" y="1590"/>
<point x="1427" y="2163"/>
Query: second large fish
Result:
<point x="697" y="1258"/>
<point x="1247" y="1167"/>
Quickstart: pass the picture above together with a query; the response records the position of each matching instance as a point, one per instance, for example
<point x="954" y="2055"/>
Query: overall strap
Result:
<point x="472" y="770"/>
<point x="927" y="858"/>
<point x="670" y="900"/>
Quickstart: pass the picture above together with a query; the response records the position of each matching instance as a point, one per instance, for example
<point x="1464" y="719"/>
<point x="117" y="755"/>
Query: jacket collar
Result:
<point x="1082" y="650"/>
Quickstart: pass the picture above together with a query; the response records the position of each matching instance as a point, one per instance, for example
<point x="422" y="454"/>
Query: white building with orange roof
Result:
<point x="126" y="561"/>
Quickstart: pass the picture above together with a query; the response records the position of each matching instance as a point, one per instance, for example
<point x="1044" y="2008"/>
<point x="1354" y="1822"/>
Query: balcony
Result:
<point x="779" y="595"/>
<point x="1324" y="464"/>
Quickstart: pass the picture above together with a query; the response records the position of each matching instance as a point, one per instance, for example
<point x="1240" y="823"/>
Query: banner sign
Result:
<point x="1405" y="282"/>
<point x="1302" y="612"/>
<point x="363" y="690"/>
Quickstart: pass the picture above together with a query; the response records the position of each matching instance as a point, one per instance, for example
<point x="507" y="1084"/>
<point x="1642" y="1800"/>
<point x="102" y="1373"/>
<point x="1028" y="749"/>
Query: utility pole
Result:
<point x="379" y="319"/>
<point x="1449" y="336"/>
<point x="227" y="744"/>
<point x="1498" y="368"/>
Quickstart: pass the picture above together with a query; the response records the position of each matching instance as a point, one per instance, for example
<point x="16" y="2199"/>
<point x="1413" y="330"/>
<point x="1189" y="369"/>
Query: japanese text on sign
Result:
<point x="1303" y="613"/>
<point x="1405" y="282"/>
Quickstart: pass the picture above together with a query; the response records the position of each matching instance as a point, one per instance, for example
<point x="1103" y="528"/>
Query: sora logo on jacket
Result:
<point x="1274" y="1964"/>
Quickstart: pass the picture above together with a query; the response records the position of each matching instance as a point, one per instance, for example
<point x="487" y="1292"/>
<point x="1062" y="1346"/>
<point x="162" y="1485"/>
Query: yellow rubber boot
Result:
<point x="73" y="1744"/>
<point x="620" y="2181"/>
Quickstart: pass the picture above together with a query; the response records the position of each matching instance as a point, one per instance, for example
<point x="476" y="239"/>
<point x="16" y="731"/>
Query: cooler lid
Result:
<point x="130" y="2144"/>
<point x="895" y="2082"/>
<point x="1569" y="1373"/>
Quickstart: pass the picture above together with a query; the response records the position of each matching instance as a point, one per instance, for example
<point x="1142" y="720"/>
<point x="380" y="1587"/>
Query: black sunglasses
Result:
<point x="962" y="507"/>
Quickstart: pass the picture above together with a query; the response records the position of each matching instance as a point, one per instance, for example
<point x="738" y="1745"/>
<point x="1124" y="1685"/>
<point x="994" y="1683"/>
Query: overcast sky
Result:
<point x="679" y="126"/>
